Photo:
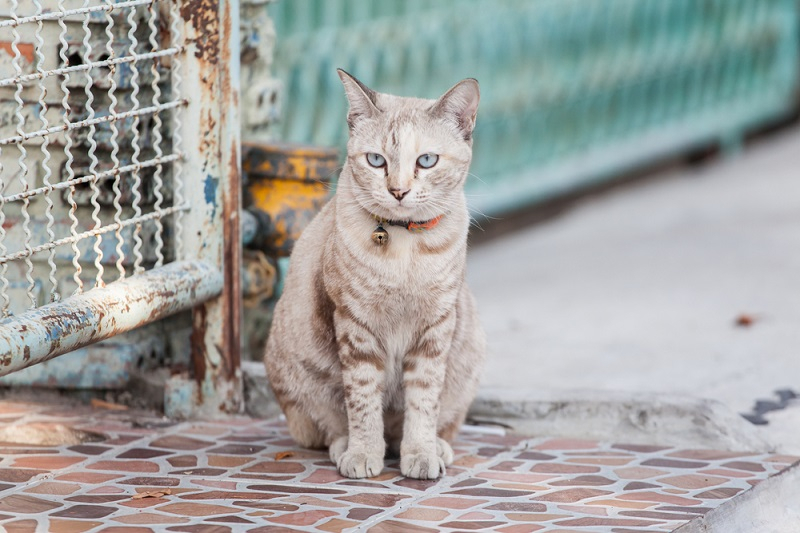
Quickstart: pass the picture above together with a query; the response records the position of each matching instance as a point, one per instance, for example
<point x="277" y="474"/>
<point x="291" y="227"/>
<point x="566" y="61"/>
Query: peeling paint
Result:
<point x="78" y="321"/>
<point x="210" y="190"/>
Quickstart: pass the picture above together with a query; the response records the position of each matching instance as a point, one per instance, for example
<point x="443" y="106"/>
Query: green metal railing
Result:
<point x="573" y="91"/>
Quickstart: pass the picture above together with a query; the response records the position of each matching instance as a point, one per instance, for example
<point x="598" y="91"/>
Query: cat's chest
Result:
<point x="415" y="259"/>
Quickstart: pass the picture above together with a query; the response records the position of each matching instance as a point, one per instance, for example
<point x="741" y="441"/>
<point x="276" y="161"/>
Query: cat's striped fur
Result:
<point x="379" y="344"/>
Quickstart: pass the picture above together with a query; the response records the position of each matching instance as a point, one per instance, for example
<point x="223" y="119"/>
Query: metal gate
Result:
<point x="120" y="182"/>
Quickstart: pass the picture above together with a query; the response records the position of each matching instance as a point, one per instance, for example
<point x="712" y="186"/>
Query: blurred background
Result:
<point x="572" y="91"/>
<point x="635" y="186"/>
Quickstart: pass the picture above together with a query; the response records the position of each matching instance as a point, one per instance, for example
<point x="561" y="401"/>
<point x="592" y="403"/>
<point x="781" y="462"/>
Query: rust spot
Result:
<point x="198" y="345"/>
<point x="26" y="354"/>
<point x="203" y="15"/>
<point x="232" y="258"/>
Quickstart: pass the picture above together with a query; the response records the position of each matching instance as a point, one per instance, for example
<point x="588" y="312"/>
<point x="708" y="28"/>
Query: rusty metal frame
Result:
<point x="211" y="139"/>
<point x="55" y="329"/>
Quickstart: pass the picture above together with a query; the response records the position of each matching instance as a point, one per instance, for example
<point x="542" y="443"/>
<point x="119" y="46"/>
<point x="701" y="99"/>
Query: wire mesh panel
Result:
<point x="89" y="145"/>
<point x="571" y="90"/>
<point x="116" y="117"/>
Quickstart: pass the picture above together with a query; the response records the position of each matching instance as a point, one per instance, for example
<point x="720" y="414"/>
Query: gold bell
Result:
<point x="380" y="236"/>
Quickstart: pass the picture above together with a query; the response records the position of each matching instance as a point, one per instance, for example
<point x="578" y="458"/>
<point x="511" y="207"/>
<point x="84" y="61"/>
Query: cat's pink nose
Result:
<point x="399" y="193"/>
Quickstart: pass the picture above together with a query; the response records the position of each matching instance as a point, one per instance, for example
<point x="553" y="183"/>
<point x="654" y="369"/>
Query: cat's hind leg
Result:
<point x="303" y="429"/>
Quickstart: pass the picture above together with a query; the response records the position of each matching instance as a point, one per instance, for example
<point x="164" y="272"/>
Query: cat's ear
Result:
<point x="361" y="98"/>
<point x="460" y="104"/>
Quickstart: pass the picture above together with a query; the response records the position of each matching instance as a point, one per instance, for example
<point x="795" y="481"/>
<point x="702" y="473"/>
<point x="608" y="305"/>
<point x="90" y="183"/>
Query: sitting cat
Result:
<point x="376" y="338"/>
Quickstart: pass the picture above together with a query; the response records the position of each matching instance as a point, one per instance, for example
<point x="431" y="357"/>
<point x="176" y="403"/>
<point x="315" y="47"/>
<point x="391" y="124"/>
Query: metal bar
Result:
<point x="94" y="232"/>
<point x="16" y="21"/>
<point x="66" y="109"/>
<point x="93" y="160"/>
<point x="90" y="65"/>
<point x="120" y="306"/>
<point x="211" y="142"/>
<point x="137" y="178"/>
<point x="156" y="136"/>
<point x="176" y="38"/>
<point x="6" y="300"/>
<point x="47" y="171"/>
<point x="112" y="108"/>
<point x="23" y="155"/>
<point x="87" y="178"/>
<point x="69" y="126"/>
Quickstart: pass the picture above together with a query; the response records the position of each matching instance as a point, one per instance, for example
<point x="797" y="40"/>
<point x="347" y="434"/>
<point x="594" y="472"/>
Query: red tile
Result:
<point x="21" y="526"/>
<point x="337" y="525"/>
<point x="375" y="500"/>
<point x="196" y="509"/>
<point x="480" y="525"/>
<point x="630" y="522"/>
<point x="693" y="481"/>
<point x="150" y="518"/>
<point x="396" y="526"/>
<point x="452" y="503"/>
<point x="722" y="493"/>
<point x="85" y="511"/>
<point x="323" y="476"/>
<point x="561" y="468"/>
<point x="515" y="477"/>
<point x="54" y="488"/>
<point x="424" y="514"/>
<point x="520" y="528"/>
<point x="178" y="442"/>
<point x="572" y="495"/>
<point x="303" y="518"/>
<point x="47" y="462"/>
<point x="88" y="477"/>
<point x="747" y="466"/>
<point x="20" y="503"/>
<point x="62" y="525"/>
<point x="125" y="466"/>
<point x="18" y="475"/>
<point x="276" y="467"/>
<point x="650" y="496"/>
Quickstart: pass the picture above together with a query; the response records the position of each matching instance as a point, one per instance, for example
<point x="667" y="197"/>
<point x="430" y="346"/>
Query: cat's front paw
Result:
<point x="445" y="451"/>
<point x="425" y="465"/>
<point x="359" y="464"/>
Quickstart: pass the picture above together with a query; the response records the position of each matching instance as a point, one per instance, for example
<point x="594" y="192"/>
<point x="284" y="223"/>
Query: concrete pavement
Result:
<point x="643" y="290"/>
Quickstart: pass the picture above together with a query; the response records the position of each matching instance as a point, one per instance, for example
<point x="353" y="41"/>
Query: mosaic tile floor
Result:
<point x="150" y="474"/>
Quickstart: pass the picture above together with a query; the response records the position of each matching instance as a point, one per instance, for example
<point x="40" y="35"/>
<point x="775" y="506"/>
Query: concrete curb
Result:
<point x="607" y="416"/>
<point x="633" y="418"/>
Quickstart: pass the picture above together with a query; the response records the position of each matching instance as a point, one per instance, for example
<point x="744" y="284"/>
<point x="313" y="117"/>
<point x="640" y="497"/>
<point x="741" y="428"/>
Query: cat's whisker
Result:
<point x="477" y="177"/>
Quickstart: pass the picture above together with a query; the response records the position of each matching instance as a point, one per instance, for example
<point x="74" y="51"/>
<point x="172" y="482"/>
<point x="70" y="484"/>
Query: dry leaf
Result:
<point x="151" y="494"/>
<point x="283" y="455"/>
<point x="100" y="404"/>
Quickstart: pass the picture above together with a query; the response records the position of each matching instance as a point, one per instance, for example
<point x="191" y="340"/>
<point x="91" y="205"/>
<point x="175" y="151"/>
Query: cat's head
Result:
<point x="409" y="157"/>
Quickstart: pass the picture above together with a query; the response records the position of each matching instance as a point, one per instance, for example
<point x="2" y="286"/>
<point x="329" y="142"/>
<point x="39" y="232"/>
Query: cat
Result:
<point x="376" y="338"/>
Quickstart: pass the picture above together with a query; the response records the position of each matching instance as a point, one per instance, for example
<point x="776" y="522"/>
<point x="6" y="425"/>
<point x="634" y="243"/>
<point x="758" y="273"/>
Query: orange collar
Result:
<point x="410" y="225"/>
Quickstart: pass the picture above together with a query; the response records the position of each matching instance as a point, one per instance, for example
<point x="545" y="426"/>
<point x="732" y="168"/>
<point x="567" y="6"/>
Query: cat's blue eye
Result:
<point x="376" y="160"/>
<point x="427" y="160"/>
